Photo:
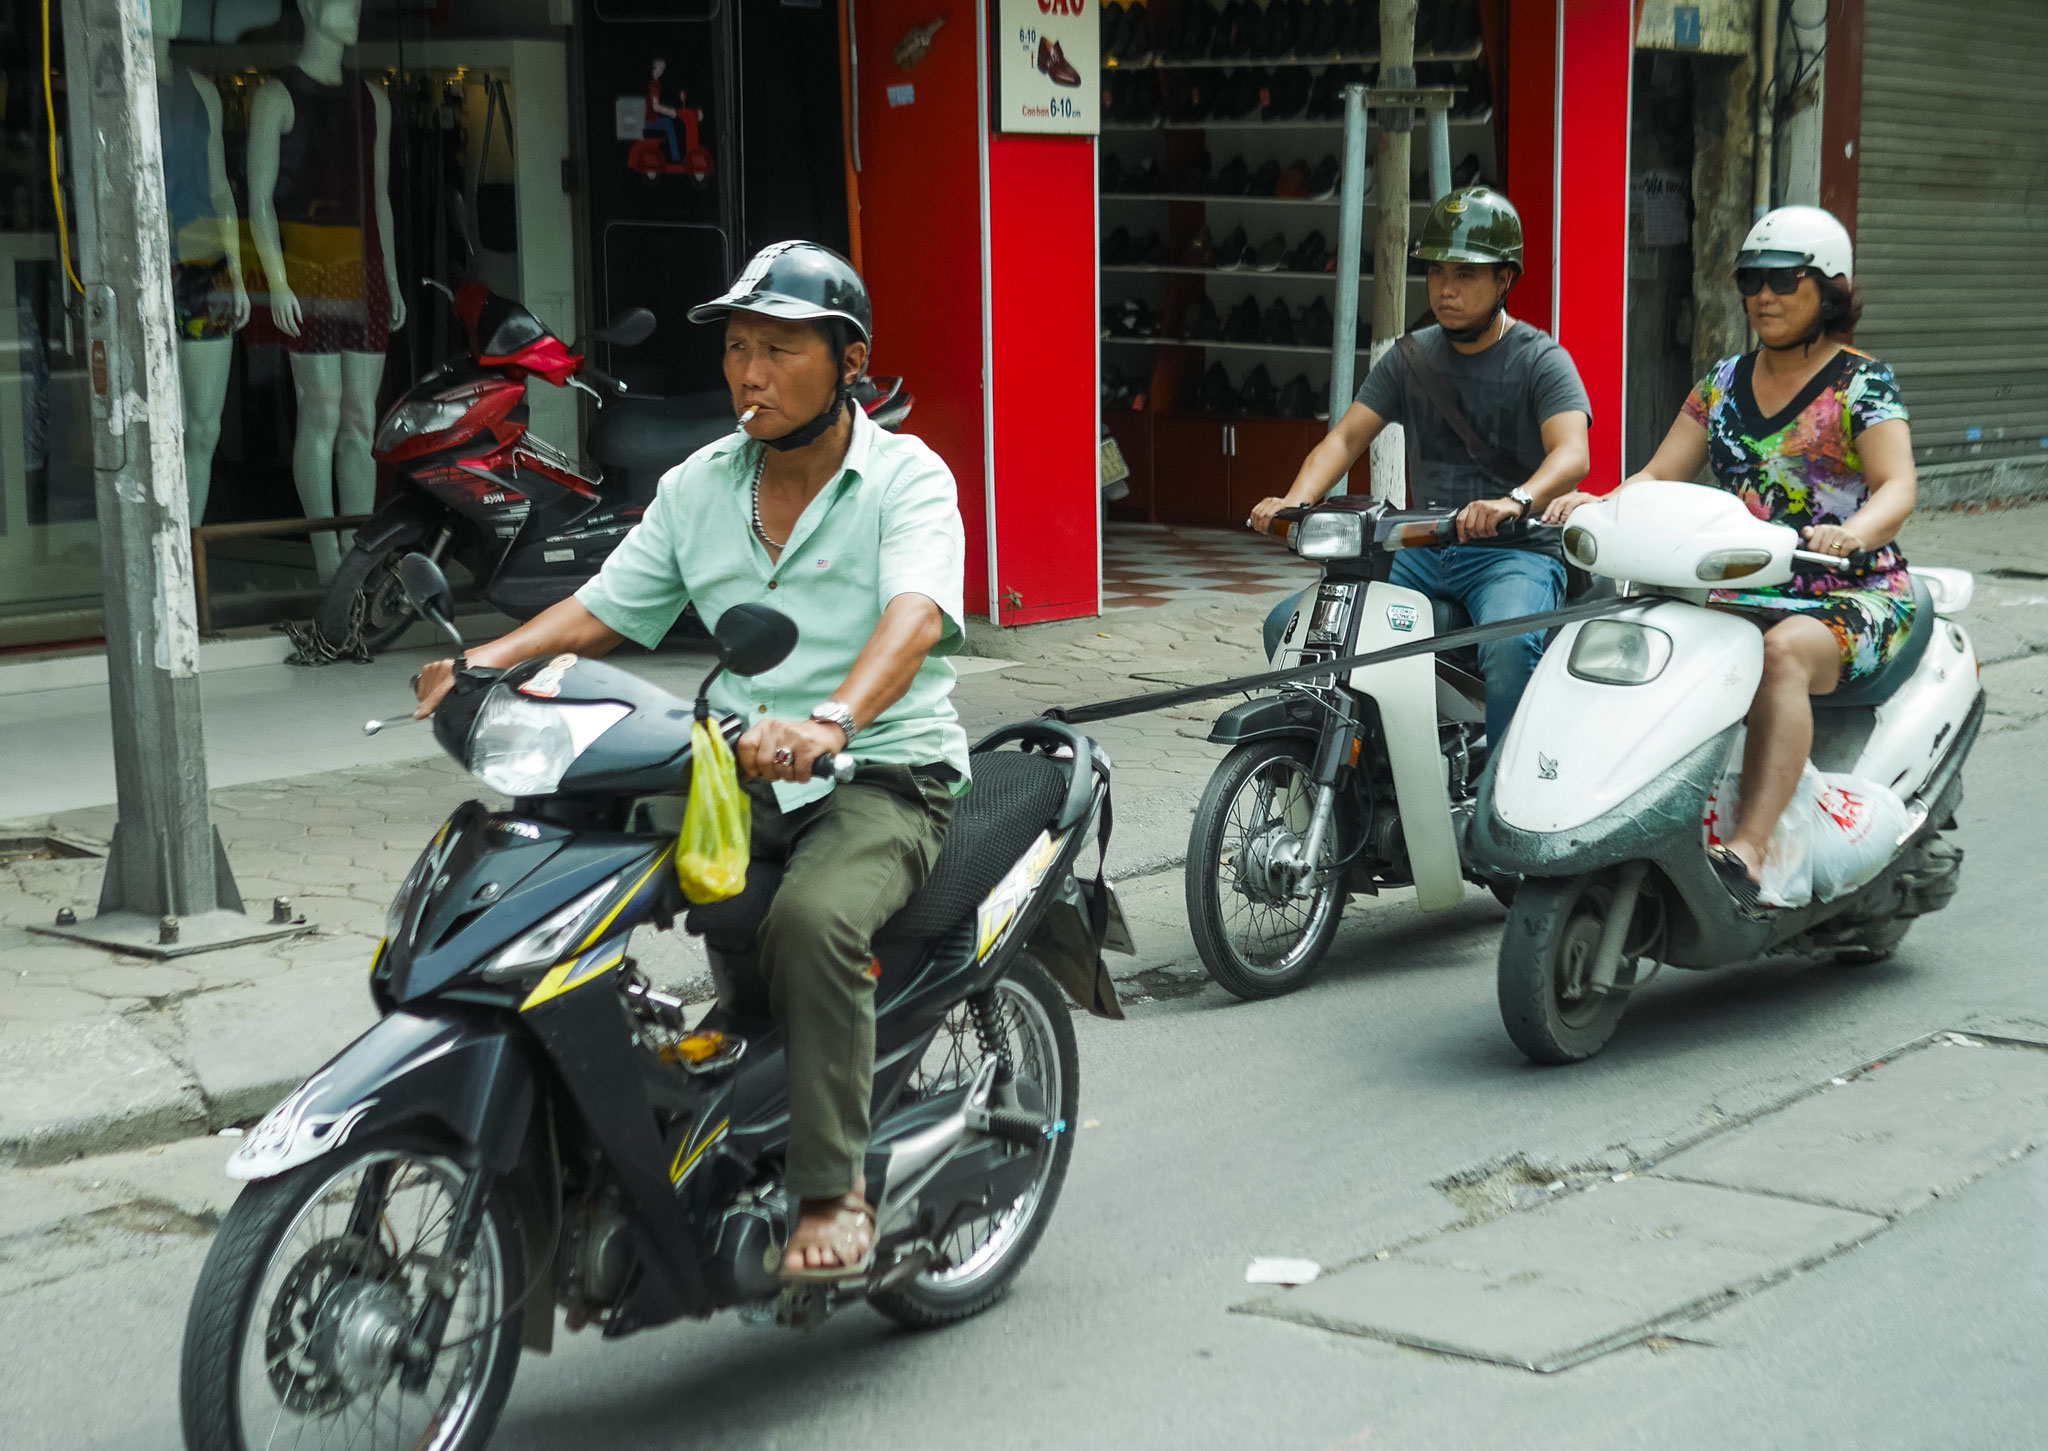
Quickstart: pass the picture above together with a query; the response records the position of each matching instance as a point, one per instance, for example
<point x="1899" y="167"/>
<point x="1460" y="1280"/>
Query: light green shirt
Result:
<point x="888" y="524"/>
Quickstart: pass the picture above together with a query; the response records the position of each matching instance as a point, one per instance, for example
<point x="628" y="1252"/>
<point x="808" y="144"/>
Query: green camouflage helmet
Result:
<point x="1473" y="224"/>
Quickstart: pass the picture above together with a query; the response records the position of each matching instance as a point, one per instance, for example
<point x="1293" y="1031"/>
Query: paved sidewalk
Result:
<point x="99" y="1051"/>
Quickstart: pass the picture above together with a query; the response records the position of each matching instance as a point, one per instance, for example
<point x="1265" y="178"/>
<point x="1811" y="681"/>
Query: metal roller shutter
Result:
<point x="1952" y="225"/>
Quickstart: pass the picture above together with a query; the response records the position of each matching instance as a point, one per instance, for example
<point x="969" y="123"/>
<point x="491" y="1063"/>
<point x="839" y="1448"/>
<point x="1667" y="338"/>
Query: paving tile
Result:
<point x="1891" y="1139"/>
<point x="1586" y="1273"/>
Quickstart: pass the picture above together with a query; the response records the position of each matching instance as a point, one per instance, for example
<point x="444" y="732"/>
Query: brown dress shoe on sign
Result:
<point x="1055" y="64"/>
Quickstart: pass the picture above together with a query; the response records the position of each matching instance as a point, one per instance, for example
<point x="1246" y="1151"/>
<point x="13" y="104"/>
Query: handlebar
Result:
<point x="836" y="767"/>
<point x="1855" y="564"/>
<point x="601" y="378"/>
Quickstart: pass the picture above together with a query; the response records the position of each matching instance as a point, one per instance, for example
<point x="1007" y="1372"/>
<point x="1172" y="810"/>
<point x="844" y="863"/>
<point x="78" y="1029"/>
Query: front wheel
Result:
<point x="1024" y="1016"/>
<point x="1255" y="937"/>
<point x="365" y="605"/>
<point x="1547" y="998"/>
<point x="298" y="1324"/>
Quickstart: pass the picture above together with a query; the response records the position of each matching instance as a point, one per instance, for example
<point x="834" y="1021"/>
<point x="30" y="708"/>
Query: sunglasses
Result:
<point x="1784" y="281"/>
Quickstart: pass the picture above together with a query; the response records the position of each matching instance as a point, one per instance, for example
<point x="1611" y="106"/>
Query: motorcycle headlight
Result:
<point x="1332" y="535"/>
<point x="541" y="946"/>
<point x="415" y="416"/>
<point x="1619" y="652"/>
<point x="523" y="747"/>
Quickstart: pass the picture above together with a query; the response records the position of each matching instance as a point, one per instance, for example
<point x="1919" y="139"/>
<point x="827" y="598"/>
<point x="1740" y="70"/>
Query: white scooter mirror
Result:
<point x="1670" y="535"/>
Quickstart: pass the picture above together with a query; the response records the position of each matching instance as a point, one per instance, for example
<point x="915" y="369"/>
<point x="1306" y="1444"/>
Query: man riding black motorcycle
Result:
<point x="856" y="532"/>
<point x="1496" y="420"/>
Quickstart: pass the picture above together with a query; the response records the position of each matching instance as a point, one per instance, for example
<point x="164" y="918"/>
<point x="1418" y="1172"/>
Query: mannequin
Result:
<point x="320" y="215"/>
<point x="207" y="292"/>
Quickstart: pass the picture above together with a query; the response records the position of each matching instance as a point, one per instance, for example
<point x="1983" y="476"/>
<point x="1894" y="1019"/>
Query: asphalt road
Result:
<point x="1319" y="1126"/>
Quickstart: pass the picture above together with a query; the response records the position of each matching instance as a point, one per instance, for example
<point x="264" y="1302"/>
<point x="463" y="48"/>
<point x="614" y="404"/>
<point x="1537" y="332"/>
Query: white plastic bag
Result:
<point x="1856" y="827"/>
<point x="1837" y="833"/>
<point x="1788" y="863"/>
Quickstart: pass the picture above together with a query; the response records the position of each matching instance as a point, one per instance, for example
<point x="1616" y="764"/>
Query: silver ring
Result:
<point x="783" y="756"/>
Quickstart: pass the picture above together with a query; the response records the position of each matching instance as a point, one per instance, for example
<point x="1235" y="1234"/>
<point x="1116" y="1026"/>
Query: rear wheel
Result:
<point x="977" y="1260"/>
<point x="311" y="1290"/>
<point x="365" y="604"/>
<point x="1256" y="939"/>
<point x="1547" y="999"/>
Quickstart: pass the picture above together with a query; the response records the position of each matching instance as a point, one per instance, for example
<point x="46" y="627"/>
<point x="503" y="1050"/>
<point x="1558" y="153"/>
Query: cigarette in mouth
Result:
<point x="748" y="416"/>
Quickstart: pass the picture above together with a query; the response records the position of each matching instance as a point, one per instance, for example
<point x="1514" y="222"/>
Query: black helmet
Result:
<point x="798" y="280"/>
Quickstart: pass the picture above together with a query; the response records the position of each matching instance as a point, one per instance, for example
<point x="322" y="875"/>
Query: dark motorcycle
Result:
<point x="532" y="1125"/>
<point x="477" y="486"/>
<point x="1342" y="784"/>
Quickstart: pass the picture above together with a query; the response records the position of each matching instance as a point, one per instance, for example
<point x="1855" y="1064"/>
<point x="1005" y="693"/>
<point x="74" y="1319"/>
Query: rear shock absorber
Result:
<point x="988" y="1031"/>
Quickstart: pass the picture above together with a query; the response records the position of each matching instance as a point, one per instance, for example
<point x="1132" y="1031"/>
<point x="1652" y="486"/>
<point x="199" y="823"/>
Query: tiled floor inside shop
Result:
<point x="1147" y="565"/>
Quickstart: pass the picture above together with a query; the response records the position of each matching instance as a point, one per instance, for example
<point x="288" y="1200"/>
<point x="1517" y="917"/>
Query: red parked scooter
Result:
<point x="477" y="486"/>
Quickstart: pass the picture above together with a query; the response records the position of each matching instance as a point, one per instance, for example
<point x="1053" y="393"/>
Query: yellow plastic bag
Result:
<point x="718" y="822"/>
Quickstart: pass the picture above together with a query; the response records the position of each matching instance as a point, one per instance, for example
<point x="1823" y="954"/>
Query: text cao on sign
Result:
<point x="1063" y="7"/>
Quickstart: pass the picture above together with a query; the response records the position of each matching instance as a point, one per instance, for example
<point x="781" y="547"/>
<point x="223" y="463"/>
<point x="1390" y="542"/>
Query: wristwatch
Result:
<point x="1523" y="497"/>
<point x="833" y="713"/>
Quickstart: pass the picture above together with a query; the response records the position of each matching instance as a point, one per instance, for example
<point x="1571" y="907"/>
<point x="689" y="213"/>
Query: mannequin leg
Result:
<point x="318" y="378"/>
<point x="203" y="379"/>
<point x="355" y="472"/>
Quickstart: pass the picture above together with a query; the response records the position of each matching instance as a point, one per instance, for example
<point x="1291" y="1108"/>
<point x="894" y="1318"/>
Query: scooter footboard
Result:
<point x="468" y="1075"/>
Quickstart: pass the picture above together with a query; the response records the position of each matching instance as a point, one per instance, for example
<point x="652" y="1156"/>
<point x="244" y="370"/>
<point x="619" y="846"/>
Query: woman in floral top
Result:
<point x="1811" y="433"/>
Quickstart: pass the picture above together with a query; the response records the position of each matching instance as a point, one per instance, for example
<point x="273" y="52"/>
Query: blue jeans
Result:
<point x="1492" y="584"/>
<point x="664" y="128"/>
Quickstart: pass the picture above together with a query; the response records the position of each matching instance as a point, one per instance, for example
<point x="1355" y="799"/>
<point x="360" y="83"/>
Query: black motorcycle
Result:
<point x="531" y="1124"/>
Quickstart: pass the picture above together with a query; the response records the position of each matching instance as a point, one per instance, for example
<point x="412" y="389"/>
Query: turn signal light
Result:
<point x="699" y="1047"/>
<point x="1732" y="564"/>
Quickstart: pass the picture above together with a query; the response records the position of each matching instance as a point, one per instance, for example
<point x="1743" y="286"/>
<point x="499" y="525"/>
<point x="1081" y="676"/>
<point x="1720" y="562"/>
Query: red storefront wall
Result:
<point x="980" y="252"/>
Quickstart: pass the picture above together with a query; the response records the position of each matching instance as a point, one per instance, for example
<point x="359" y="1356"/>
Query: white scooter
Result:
<point x="1597" y="794"/>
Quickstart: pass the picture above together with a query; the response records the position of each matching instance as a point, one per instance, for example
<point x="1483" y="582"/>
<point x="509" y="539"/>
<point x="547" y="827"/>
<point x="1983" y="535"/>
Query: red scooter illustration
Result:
<point x="669" y="144"/>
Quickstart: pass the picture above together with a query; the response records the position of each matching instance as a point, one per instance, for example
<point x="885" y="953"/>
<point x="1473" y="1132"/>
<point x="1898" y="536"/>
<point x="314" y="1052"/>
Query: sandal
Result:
<point x="851" y="1238"/>
<point x="1735" y="880"/>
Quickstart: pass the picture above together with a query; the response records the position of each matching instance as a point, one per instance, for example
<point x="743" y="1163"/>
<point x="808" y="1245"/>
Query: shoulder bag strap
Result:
<point x="1446" y="404"/>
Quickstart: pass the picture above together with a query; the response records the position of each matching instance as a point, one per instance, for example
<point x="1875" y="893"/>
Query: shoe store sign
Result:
<point x="1048" y="67"/>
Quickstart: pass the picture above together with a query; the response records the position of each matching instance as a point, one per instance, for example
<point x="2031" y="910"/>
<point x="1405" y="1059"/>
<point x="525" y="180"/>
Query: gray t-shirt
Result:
<point x="1507" y="391"/>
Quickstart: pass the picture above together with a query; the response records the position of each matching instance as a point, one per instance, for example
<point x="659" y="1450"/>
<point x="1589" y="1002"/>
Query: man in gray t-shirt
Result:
<point x="1522" y="398"/>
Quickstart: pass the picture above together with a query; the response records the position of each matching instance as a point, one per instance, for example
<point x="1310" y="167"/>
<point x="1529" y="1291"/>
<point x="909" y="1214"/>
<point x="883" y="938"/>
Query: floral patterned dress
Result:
<point x="1801" y="467"/>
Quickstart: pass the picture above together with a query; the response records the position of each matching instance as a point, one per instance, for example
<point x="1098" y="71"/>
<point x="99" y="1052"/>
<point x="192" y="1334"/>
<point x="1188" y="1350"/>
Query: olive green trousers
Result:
<point x="850" y="861"/>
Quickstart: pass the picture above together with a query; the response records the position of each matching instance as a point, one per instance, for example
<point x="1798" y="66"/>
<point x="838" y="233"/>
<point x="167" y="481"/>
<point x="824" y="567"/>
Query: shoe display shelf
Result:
<point x="1177" y="405"/>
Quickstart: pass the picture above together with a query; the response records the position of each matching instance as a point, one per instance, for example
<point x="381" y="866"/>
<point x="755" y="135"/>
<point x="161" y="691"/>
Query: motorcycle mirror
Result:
<point x="753" y="638"/>
<point x="427" y="591"/>
<point x="629" y="329"/>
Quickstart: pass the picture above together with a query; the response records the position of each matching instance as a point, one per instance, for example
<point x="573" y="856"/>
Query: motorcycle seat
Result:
<point x="1886" y="681"/>
<point x="1449" y="615"/>
<point x="1015" y="796"/>
<point x="646" y="437"/>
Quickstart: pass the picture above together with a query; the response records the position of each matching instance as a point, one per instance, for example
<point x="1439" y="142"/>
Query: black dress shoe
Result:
<point x="1263" y="180"/>
<point x="1241" y="95"/>
<point x="1199" y="322"/>
<point x="1256" y="396"/>
<point x="1310" y="255"/>
<point x="1145" y="177"/>
<point x="1316" y="325"/>
<point x="1297" y="399"/>
<point x="1277" y="325"/>
<point x="1116" y="248"/>
<point x="1236" y="31"/>
<point x="1137" y="48"/>
<point x="1109" y="173"/>
<point x="1286" y="97"/>
<point x="1194" y="174"/>
<point x="1272" y="255"/>
<point x="1242" y="326"/>
<point x="1326" y="95"/>
<point x="1362" y="28"/>
<point x="1216" y="396"/>
<point x="1230" y="252"/>
<point x="1230" y="181"/>
<point x="1322" y="182"/>
<point x="1149" y="250"/>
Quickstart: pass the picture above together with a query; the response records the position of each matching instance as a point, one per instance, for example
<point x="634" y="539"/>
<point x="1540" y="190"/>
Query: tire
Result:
<point x="980" y="1261"/>
<point x="262" y="1231"/>
<point x="1274" y="961"/>
<point x="1551" y="932"/>
<point x="368" y="578"/>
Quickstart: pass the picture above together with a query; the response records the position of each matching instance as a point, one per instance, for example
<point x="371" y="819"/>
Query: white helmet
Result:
<point x="1799" y="237"/>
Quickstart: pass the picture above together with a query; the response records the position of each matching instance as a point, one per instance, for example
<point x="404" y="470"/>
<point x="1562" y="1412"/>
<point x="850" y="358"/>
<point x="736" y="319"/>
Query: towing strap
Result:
<point x="1424" y="645"/>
